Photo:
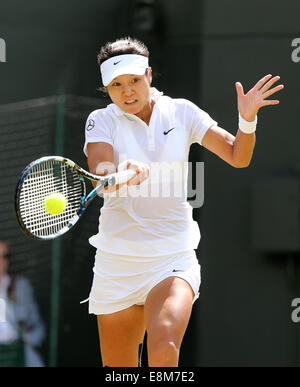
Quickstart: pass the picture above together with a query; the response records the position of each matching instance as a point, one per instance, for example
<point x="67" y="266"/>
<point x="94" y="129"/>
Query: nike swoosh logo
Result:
<point x="168" y="131"/>
<point x="115" y="63"/>
<point x="175" y="271"/>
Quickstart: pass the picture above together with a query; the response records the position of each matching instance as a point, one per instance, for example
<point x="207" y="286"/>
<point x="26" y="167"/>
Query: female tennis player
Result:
<point x="146" y="274"/>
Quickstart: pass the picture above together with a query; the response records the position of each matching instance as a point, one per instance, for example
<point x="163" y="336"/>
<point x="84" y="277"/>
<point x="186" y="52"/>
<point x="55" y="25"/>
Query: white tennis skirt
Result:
<point x="121" y="281"/>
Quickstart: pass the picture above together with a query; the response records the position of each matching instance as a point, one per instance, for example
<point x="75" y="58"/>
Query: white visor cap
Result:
<point x="123" y="64"/>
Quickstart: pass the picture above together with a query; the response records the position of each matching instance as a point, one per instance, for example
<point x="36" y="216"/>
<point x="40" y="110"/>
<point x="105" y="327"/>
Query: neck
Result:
<point x="145" y="114"/>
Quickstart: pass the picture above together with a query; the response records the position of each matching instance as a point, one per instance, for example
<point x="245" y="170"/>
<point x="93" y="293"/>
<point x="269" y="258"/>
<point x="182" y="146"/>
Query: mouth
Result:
<point x="130" y="102"/>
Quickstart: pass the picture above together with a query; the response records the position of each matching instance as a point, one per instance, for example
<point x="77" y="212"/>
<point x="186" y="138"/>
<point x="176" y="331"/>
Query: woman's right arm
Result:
<point x="100" y="160"/>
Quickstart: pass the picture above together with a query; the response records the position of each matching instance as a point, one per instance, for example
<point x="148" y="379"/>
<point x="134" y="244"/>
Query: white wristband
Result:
<point x="247" y="126"/>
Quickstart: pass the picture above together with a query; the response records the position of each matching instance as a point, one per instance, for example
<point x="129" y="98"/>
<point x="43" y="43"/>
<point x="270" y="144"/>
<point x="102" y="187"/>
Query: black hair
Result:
<point x="121" y="46"/>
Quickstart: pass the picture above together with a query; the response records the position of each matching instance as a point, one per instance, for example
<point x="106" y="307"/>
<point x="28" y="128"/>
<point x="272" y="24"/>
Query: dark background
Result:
<point x="249" y="251"/>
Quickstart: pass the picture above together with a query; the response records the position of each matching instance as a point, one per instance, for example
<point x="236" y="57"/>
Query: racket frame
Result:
<point x="104" y="181"/>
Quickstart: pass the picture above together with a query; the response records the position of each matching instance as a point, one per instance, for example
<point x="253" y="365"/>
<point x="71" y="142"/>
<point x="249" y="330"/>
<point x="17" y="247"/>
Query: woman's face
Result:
<point x="131" y="93"/>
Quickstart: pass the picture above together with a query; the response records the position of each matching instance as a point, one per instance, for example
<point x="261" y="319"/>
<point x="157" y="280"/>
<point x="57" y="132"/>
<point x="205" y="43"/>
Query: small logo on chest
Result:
<point x="168" y="131"/>
<point x="90" y="125"/>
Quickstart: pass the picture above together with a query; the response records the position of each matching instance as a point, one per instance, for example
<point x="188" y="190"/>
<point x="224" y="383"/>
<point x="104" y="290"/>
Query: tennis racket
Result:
<point x="55" y="174"/>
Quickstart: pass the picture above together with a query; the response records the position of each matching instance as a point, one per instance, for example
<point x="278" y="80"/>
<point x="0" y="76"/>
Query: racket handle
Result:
<point x="121" y="177"/>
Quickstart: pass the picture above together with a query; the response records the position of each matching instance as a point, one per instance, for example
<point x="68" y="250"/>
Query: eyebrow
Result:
<point x="130" y="75"/>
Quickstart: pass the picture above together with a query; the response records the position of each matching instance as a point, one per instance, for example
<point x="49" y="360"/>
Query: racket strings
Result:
<point x="45" y="178"/>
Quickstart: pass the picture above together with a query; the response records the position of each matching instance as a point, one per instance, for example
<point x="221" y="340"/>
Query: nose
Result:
<point x="127" y="91"/>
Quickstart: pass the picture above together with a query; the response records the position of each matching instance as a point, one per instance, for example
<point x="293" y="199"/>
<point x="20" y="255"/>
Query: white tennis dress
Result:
<point x="146" y="232"/>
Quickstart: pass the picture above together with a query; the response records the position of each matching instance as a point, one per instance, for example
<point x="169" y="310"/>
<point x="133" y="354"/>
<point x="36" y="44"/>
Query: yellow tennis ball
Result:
<point x="55" y="203"/>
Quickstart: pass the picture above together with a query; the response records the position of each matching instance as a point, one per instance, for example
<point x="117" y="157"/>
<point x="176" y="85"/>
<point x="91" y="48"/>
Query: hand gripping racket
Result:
<point x="55" y="174"/>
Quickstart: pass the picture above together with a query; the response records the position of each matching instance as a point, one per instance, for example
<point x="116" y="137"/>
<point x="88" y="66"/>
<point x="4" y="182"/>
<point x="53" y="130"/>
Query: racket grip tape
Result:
<point x="121" y="177"/>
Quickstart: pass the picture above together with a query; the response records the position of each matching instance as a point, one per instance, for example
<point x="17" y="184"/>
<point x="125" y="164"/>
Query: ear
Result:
<point x="149" y="74"/>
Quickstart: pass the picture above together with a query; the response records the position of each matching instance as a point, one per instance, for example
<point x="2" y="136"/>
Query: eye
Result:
<point x="135" y="80"/>
<point x="116" y="84"/>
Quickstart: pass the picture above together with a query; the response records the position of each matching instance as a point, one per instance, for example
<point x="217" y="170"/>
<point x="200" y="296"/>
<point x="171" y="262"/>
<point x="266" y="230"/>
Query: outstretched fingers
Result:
<point x="270" y="83"/>
<point x="269" y="102"/>
<point x="239" y="89"/>
<point x="250" y="103"/>
<point x="262" y="81"/>
<point x="264" y="85"/>
<point x="272" y="91"/>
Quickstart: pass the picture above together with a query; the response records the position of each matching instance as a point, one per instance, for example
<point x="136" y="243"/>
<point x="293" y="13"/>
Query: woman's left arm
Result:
<point x="237" y="151"/>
